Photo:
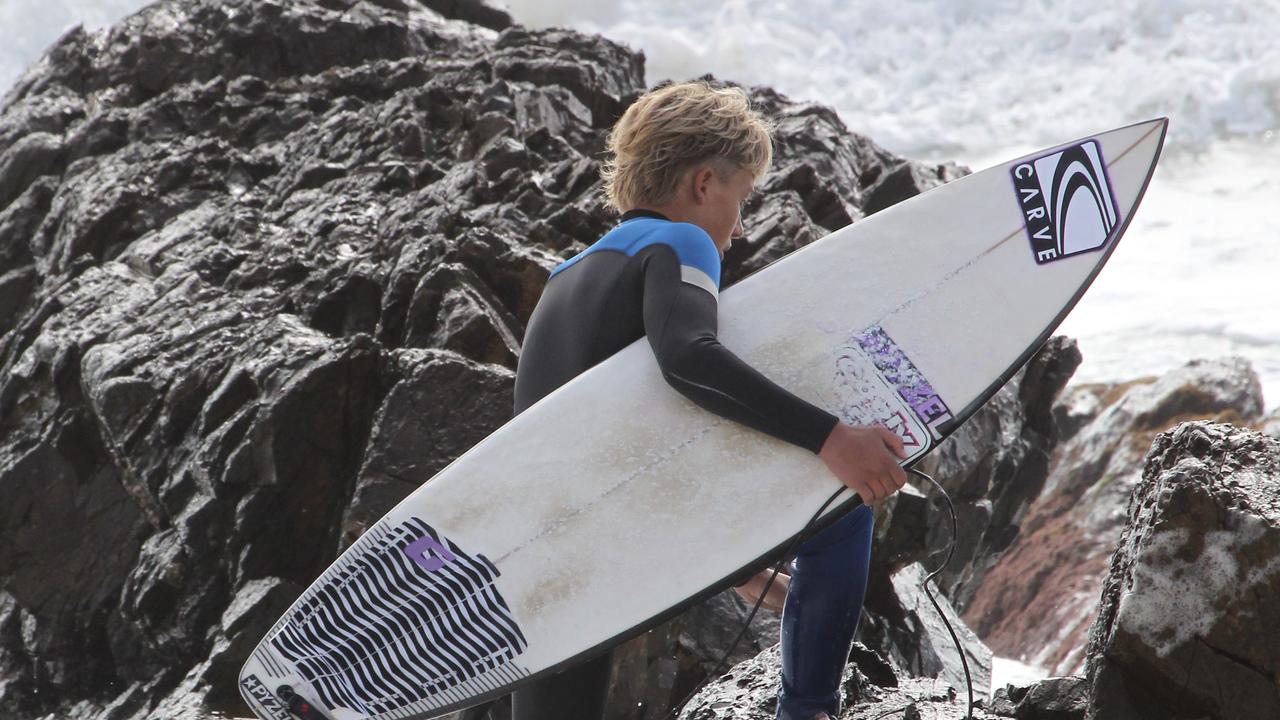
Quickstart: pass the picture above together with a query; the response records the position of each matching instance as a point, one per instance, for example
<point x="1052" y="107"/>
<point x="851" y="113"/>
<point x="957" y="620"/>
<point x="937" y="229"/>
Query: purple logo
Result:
<point x="902" y="375"/>
<point x="418" y="549"/>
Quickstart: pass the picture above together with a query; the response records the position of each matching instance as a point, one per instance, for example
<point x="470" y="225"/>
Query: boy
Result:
<point x="684" y="159"/>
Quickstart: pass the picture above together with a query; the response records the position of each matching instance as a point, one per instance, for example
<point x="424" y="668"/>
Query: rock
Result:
<point x="1052" y="572"/>
<point x="1055" y="698"/>
<point x="1189" y="600"/>
<point x="442" y="404"/>
<point x="452" y="309"/>
<point x="1003" y="702"/>
<point x="472" y="11"/>
<point x="749" y="692"/>
<point x="246" y="620"/>
<point x="905" y="180"/>
<point x="917" y="639"/>
<point x="657" y="670"/>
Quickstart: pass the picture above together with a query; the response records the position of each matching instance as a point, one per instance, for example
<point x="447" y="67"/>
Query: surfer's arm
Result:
<point x="680" y="322"/>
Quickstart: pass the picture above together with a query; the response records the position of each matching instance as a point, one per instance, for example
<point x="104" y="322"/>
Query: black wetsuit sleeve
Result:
<point x="680" y="322"/>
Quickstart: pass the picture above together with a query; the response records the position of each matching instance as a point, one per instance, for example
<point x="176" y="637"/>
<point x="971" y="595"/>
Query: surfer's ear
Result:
<point x="699" y="181"/>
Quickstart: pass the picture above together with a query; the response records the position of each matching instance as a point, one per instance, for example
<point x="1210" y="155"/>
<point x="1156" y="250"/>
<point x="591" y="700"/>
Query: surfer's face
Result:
<point x="721" y="196"/>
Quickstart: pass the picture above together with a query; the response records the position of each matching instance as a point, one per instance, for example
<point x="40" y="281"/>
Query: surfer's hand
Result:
<point x="865" y="459"/>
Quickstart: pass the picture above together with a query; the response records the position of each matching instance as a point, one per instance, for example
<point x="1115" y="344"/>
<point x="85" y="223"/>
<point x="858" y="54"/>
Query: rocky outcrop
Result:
<point x="264" y="267"/>
<point x="1038" y="600"/>
<point x="1187" y="622"/>
<point x="870" y="689"/>
<point x="1055" y="698"/>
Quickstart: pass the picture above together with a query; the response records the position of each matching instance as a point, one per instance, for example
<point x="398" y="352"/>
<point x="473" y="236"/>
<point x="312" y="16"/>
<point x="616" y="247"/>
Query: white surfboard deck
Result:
<point x="615" y="500"/>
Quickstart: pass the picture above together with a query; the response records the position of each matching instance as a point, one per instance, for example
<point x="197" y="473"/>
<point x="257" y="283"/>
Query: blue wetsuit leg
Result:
<point x="820" y="616"/>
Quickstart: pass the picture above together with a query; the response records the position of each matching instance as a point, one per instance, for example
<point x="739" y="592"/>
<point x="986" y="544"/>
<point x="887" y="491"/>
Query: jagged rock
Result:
<point x="250" y="615"/>
<point x="472" y="11"/>
<point x="1004" y="701"/>
<point x="749" y="692"/>
<point x="1188" y="622"/>
<point x="902" y="181"/>
<point x="442" y="405"/>
<point x="1038" y="601"/>
<point x="907" y="624"/>
<point x="660" y="668"/>
<point x="452" y="309"/>
<point x="1055" y="698"/>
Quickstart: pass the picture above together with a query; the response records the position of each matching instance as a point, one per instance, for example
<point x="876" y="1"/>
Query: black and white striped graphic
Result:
<point x="410" y="618"/>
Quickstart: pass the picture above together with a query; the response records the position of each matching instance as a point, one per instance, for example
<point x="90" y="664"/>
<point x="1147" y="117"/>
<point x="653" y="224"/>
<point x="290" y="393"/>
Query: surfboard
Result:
<point x="614" y="502"/>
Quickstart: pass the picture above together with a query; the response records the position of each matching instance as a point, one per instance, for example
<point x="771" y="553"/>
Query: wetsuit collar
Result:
<point x="641" y="212"/>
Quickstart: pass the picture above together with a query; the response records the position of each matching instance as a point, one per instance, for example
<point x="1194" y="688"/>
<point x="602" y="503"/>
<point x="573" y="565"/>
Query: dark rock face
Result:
<point x="1038" y="600"/>
<point x="904" y="626"/>
<point x="1189" y="611"/>
<point x="1055" y="698"/>
<point x="264" y="267"/>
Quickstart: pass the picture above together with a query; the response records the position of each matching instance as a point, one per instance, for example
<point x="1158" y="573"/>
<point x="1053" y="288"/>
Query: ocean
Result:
<point x="979" y="83"/>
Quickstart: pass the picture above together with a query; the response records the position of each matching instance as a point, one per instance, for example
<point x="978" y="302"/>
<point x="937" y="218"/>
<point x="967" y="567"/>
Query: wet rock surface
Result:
<point x="1055" y="698"/>
<point x="869" y="690"/>
<point x="1187" y="623"/>
<point x="1040" y="596"/>
<point x="264" y="267"/>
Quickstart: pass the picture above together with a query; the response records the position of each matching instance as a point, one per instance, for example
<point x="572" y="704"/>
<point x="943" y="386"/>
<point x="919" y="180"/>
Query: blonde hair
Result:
<point x="672" y="128"/>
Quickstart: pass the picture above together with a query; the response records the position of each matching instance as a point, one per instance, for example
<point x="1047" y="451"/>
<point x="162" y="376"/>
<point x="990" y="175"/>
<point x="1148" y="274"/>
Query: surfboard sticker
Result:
<point x="409" y="619"/>
<point x="265" y="703"/>
<point x="877" y="384"/>
<point x="1066" y="201"/>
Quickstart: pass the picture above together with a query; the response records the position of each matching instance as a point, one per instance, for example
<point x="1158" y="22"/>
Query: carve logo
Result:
<point x="1066" y="202"/>
<point x="258" y="694"/>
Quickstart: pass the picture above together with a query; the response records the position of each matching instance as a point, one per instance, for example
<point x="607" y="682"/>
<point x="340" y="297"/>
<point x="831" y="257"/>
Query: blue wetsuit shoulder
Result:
<point x="692" y="245"/>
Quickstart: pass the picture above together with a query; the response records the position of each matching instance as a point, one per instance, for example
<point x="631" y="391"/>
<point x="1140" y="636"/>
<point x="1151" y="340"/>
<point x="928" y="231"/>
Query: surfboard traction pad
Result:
<point x="409" y="624"/>
<point x="425" y="627"/>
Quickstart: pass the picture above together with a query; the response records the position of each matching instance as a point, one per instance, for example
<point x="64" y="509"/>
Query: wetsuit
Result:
<point x="650" y="277"/>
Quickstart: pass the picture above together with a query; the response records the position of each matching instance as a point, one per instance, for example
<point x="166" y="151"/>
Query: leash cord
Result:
<point x="951" y="549"/>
